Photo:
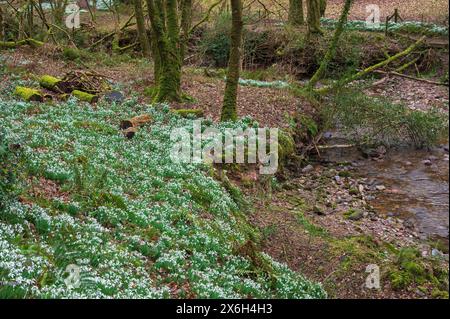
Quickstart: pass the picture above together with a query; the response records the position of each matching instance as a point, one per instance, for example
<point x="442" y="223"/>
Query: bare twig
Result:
<point x="410" y="77"/>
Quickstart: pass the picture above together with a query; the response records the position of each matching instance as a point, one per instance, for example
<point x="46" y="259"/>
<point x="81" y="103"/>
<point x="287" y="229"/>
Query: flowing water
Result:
<point x="415" y="182"/>
<point x="414" y="188"/>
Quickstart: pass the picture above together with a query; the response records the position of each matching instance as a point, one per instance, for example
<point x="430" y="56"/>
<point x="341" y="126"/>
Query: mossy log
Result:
<point x="34" y="43"/>
<point x="86" y="97"/>
<point x="189" y="112"/>
<point x="12" y="44"/>
<point x="9" y="44"/>
<point x="135" y="121"/>
<point x="51" y="83"/>
<point x="372" y="68"/>
<point x="29" y="94"/>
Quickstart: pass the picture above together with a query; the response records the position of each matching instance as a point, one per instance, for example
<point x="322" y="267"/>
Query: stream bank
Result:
<point x="324" y="224"/>
<point x="345" y="211"/>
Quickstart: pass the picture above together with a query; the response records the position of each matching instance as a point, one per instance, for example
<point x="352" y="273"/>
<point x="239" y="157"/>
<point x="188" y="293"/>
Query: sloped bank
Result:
<point x="135" y="224"/>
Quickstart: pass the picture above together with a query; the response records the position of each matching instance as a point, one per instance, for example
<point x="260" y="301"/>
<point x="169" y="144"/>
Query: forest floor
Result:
<point x="269" y="106"/>
<point x="320" y="221"/>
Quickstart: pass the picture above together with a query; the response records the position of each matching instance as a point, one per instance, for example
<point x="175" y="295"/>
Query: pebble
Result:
<point x="356" y="215"/>
<point x="338" y="180"/>
<point x="436" y="253"/>
<point x="420" y="293"/>
<point x="307" y="169"/>
<point x="409" y="223"/>
<point x="427" y="162"/>
<point x="327" y="135"/>
<point x="319" y="210"/>
<point x="114" y="96"/>
<point x="361" y="188"/>
<point x="380" y="187"/>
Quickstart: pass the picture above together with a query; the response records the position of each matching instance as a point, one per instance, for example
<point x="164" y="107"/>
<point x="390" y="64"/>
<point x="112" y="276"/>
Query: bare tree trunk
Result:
<point x="229" y="109"/>
<point x="296" y="16"/>
<point x="142" y="30"/>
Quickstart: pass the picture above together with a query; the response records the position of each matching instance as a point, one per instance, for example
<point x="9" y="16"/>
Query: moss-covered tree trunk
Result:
<point x="2" y="25"/>
<point x="296" y="16"/>
<point x="323" y="7"/>
<point x="30" y="19"/>
<point x="313" y="7"/>
<point x="156" y="57"/>
<point x="229" y="109"/>
<point x="186" y="22"/>
<point x="331" y="52"/>
<point x="167" y="44"/>
<point x="142" y="30"/>
<point x="58" y="11"/>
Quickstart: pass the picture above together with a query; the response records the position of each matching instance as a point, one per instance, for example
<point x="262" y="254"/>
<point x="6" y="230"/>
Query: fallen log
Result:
<point x="9" y="44"/>
<point x="372" y="68"/>
<point x="53" y="84"/>
<point x="34" y="43"/>
<point x="135" y="121"/>
<point x="29" y="94"/>
<point x="86" y="97"/>
<point x="14" y="44"/>
<point x="130" y="132"/>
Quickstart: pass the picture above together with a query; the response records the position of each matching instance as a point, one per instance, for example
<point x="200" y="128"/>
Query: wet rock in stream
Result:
<point x="409" y="183"/>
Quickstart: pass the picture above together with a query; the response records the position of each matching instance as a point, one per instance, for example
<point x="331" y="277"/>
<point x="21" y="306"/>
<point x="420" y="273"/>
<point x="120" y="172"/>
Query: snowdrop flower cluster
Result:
<point x="360" y="25"/>
<point x="130" y="219"/>
<point x="264" y="84"/>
